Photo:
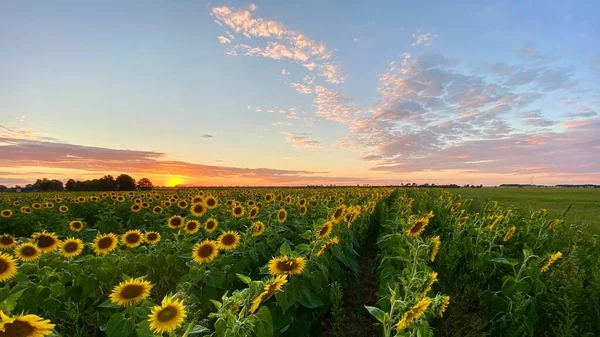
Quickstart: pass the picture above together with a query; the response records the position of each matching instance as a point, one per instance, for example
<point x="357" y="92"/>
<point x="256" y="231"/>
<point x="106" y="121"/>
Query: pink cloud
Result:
<point x="301" y="140"/>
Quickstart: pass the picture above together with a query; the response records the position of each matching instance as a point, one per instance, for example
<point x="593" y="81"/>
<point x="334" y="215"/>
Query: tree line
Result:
<point x="122" y="182"/>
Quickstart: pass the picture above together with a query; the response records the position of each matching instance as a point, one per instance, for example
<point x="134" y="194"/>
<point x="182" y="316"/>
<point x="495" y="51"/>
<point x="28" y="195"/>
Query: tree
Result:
<point x="70" y="185"/>
<point x="125" y="182"/>
<point x="145" y="184"/>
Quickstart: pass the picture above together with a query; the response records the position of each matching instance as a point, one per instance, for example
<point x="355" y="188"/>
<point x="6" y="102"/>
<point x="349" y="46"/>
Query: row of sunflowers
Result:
<point x="184" y="263"/>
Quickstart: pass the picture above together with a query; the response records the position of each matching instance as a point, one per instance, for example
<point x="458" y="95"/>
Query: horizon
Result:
<point x="239" y="93"/>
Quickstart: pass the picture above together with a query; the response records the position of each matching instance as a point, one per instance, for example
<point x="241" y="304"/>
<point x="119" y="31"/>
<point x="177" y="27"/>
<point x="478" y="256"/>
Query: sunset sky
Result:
<point x="301" y="92"/>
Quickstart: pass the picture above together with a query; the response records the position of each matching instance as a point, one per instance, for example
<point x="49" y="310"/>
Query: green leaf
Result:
<point x="244" y="278"/>
<point x="508" y="262"/>
<point x="119" y="326"/>
<point x="9" y="304"/>
<point x="508" y="286"/>
<point x="309" y="298"/>
<point x="285" y="249"/>
<point x="264" y="327"/>
<point x="108" y="304"/>
<point x="376" y="312"/>
<point x="198" y="329"/>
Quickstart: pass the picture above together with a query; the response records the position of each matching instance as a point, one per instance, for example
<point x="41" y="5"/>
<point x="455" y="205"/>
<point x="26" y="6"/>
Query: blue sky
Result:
<point x="301" y="91"/>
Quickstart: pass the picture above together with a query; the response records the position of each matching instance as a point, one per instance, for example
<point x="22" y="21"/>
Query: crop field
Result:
<point x="293" y="262"/>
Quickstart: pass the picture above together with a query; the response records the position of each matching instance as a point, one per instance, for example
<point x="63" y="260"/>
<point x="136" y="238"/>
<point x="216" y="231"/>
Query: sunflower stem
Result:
<point x="187" y="331"/>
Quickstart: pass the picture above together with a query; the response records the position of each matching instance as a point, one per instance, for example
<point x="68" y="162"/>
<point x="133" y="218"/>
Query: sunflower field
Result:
<point x="276" y="262"/>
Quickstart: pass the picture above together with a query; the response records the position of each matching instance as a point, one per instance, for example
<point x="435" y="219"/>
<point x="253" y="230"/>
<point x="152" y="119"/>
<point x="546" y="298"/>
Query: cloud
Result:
<point x="252" y="7"/>
<point x="301" y="140"/>
<point x="332" y="105"/>
<point x="284" y="72"/>
<point x="533" y="54"/>
<point x="283" y="42"/>
<point x="301" y="88"/>
<point x="425" y="39"/>
<point x="223" y="40"/>
<point x="206" y="135"/>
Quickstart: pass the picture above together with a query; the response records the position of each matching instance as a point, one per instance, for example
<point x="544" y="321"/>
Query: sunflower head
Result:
<point x="192" y="226"/>
<point x="211" y="202"/>
<point x="76" y="225"/>
<point x="46" y="242"/>
<point x="157" y="210"/>
<point x="63" y="209"/>
<point x="285" y="265"/>
<point x="253" y="212"/>
<point x="238" y="211"/>
<point x="152" y="238"/>
<point x="211" y="224"/>
<point x="270" y="287"/>
<point x="130" y="292"/>
<point x="70" y="248"/>
<point x="182" y="204"/>
<point x="105" y="244"/>
<point x="281" y="215"/>
<point x="205" y="251"/>
<point x="325" y="230"/>
<point x="27" y="252"/>
<point x="258" y="228"/>
<point x="338" y="215"/>
<point x="302" y="211"/>
<point x="136" y="208"/>
<point x="132" y="238"/>
<point x="168" y="316"/>
<point x="7" y="241"/>
<point x="198" y="209"/>
<point x="25" y="210"/>
<point x="330" y="243"/>
<point x="25" y="326"/>
<point x="8" y="267"/>
<point x="229" y="240"/>
<point x="176" y="221"/>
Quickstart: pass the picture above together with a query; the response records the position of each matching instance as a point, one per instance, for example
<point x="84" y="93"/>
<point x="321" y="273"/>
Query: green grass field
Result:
<point x="585" y="202"/>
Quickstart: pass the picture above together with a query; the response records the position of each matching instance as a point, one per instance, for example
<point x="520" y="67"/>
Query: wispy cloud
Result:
<point x="301" y="140"/>
<point x="425" y="39"/>
<point x="284" y="72"/>
<point x="206" y="135"/>
<point x="223" y="40"/>
<point x="301" y="88"/>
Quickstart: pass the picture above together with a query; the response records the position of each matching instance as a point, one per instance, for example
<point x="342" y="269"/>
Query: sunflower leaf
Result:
<point x="244" y="278"/>
<point x="377" y="313"/>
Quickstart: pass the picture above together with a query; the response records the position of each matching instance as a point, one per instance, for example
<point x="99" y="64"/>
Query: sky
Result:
<point x="301" y="92"/>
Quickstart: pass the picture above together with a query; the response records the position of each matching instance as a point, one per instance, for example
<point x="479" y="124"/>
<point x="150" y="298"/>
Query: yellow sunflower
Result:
<point x="281" y="215"/>
<point x="25" y="210"/>
<point x="436" y="247"/>
<point x="418" y="227"/>
<point x="228" y="240"/>
<point x="105" y="244"/>
<point x="130" y="292"/>
<point x="211" y="202"/>
<point x="253" y="212"/>
<point x="551" y="261"/>
<point x="205" y="251"/>
<point x="7" y="213"/>
<point x="509" y="233"/>
<point x="443" y="305"/>
<point x="238" y="211"/>
<point x="8" y="267"/>
<point x="327" y="245"/>
<point x="46" y="242"/>
<point x="136" y="208"/>
<point x="175" y="222"/>
<point x="36" y="205"/>
<point x="271" y="287"/>
<point x="198" y="209"/>
<point x="168" y="316"/>
<point x="338" y="215"/>
<point x="152" y="238"/>
<point x="76" y="225"/>
<point x="70" y="248"/>
<point x="63" y="209"/>
<point x="211" y="224"/>
<point x="325" y="230"/>
<point x="132" y="238"/>
<point x="413" y="314"/>
<point x="285" y="265"/>
<point x="303" y="210"/>
<point x="182" y="204"/>
<point x="192" y="226"/>
<point x="432" y="279"/>
<point x="258" y="228"/>
<point x="156" y="209"/>
<point x="25" y="326"/>
<point x="7" y="241"/>
<point x="27" y="252"/>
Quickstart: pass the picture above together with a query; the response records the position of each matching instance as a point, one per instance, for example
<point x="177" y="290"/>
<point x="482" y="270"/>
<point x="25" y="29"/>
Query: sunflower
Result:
<point x="132" y="238"/>
<point x="281" y="215"/>
<point x="7" y="241"/>
<point x="436" y="247"/>
<point x="493" y="224"/>
<point x="168" y="316"/>
<point x="130" y="292"/>
<point x="182" y="204"/>
<point x="509" y="233"/>
<point x="269" y="197"/>
<point x="8" y="267"/>
<point x="145" y="205"/>
<point x="7" y="213"/>
<point x="443" y="305"/>
<point x="238" y="211"/>
<point x="192" y="226"/>
<point x="15" y="203"/>
<point x="327" y="245"/>
<point x="211" y="224"/>
<point x="258" y="228"/>
<point x="27" y="252"/>
<point x="418" y="227"/>
<point x="553" y="224"/>
<point x="551" y="261"/>
<point x="63" y="209"/>
<point x="462" y="221"/>
<point x="284" y="265"/>
<point x="157" y="210"/>
<point x="136" y="208"/>
<point x="36" y="205"/>
<point x="325" y="230"/>
<point x="271" y="287"/>
<point x="25" y="210"/>
<point x="413" y="314"/>
<point x="303" y="210"/>
<point x="211" y="202"/>
<point x="338" y="215"/>
<point x="253" y="212"/>
<point x="76" y="225"/>
<point x="152" y="238"/>
<point x="105" y="244"/>
<point x="176" y="221"/>
<point x="205" y="251"/>
<point x="46" y="242"/>
<point x="25" y="326"/>
<point x="432" y="279"/>
<point x="70" y="248"/>
<point x="228" y="240"/>
<point x="198" y="209"/>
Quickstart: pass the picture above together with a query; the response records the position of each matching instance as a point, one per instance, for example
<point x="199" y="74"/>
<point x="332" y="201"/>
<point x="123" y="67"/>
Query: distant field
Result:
<point x="585" y="202"/>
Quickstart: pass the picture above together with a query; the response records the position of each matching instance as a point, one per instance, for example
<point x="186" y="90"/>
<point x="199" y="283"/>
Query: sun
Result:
<point x="173" y="181"/>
